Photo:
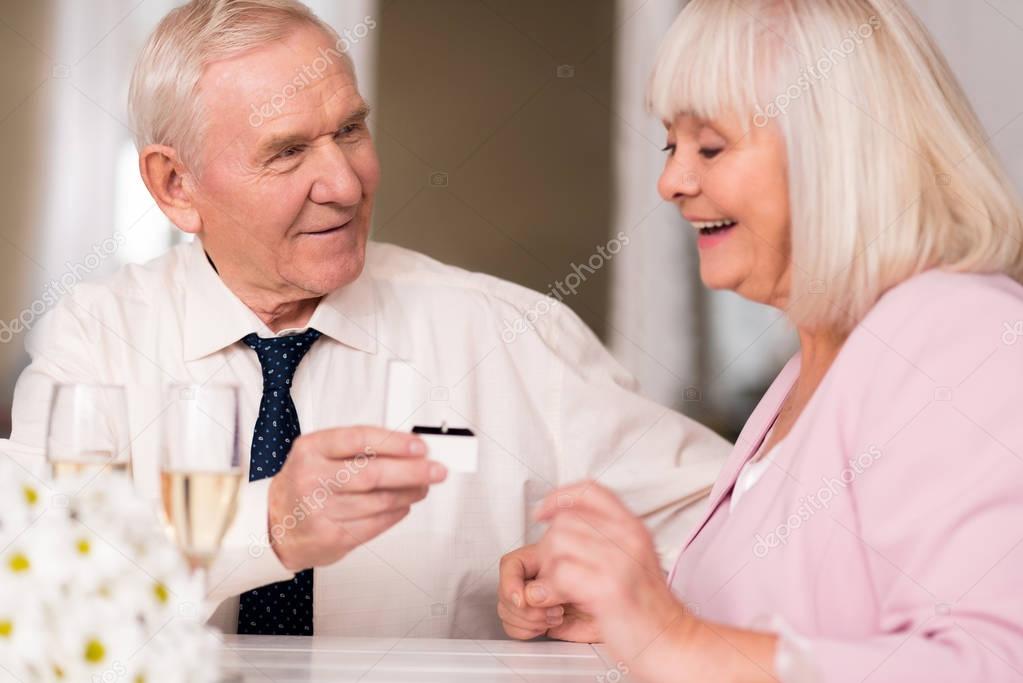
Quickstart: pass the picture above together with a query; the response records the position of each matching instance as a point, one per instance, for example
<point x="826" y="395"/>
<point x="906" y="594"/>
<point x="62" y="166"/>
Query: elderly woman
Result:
<point x="869" y="523"/>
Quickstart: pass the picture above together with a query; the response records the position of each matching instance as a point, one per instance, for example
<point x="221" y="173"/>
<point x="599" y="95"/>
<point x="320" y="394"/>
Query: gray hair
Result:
<point x="164" y="101"/>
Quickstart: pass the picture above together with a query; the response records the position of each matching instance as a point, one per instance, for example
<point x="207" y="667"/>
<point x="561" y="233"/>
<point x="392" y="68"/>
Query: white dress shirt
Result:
<point x="550" y="406"/>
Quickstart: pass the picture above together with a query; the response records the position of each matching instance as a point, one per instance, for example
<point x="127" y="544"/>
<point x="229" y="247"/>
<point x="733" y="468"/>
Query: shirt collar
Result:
<point x="215" y="318"/>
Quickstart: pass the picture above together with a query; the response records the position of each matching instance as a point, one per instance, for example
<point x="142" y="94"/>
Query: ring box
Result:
<point x="455" y="447"/>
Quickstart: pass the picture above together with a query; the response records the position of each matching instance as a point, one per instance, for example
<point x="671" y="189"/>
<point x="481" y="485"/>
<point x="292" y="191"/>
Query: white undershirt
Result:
<point x="751" y="473"/>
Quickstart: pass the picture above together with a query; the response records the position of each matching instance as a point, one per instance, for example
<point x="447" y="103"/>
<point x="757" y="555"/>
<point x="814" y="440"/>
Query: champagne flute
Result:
<point x="87" y="430"/>
<point x="200" y="475"/>
<point x="200" y="471"/>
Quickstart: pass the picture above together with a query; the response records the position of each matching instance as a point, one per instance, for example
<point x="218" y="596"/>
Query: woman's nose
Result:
<point x="678" y="180"/>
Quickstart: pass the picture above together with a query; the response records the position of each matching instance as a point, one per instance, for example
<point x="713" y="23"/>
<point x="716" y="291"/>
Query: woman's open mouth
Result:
<point x="712" y="233"/>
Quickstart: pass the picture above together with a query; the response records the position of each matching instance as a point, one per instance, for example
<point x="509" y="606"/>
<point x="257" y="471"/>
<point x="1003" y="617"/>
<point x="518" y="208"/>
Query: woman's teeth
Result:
<point x="711" y="227"/>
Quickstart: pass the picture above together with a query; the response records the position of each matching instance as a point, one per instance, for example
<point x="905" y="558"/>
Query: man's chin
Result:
<point x="323" y="263"/>
<point x="322" y="278"/>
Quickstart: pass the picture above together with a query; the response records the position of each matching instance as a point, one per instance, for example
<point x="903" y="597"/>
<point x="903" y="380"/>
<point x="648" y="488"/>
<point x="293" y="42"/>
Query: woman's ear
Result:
<point x="171" y="185"/>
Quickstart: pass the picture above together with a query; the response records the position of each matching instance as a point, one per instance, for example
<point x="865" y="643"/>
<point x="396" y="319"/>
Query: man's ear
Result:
<point x="171" y="185"/>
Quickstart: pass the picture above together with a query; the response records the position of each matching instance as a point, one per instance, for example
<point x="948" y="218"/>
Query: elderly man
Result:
<point x="252" y="137"/>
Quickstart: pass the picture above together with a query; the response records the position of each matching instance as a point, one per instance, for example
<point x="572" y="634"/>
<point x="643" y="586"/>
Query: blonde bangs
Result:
<point x="710" y="63"/>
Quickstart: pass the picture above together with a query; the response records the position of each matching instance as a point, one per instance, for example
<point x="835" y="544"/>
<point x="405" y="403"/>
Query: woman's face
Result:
<point x="717" y="174"/>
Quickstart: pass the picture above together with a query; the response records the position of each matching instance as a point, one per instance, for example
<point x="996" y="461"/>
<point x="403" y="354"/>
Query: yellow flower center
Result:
<point x="6" y="628"/>
<point x="161" y="592"/>
<point x="82" y="546"/>
<point x="19" y="563"/>
<point x="31" y="495"/>
<point x="94" y="651"/>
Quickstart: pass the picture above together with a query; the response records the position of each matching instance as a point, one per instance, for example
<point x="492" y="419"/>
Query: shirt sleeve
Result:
<point x="246" y="560"/>
<point x="660" y="462"/>
<point x="59" y="350"/>
<point x="62" y="350"/>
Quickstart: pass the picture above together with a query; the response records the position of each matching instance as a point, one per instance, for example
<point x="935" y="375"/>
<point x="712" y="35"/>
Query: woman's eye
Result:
<point x="710" y="152"/>
<point x="669" y="148"/>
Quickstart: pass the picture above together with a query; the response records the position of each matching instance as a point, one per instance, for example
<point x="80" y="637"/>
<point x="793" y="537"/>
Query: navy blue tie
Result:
<point x="284" y="608"/>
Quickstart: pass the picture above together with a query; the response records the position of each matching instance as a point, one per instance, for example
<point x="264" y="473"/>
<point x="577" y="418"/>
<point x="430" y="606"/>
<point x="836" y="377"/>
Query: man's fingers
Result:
<point x="346" y="442"/>
<point x="362" y="530"/>
<point x="385" y="473"/>
<point x="351" y="507"/>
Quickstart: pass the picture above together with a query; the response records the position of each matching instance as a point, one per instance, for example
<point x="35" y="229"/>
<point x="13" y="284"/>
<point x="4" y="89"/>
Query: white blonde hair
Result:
<point x="889" y="171"/>
<point x="164" y="99"/>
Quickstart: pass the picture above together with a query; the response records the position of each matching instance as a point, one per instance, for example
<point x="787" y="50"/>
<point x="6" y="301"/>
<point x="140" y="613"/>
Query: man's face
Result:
<point x="286" y="199"/>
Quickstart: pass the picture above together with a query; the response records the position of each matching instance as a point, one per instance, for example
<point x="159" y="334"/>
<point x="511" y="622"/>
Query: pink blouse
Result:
<point x="887" y="534"/>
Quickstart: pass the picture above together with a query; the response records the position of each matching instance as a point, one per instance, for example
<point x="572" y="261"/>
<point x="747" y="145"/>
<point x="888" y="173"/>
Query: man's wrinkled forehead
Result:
<point x="298" y="77"/>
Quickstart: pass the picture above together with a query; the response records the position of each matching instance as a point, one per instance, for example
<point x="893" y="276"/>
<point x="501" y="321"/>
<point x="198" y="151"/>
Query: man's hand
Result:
<point x="341" y="487"/>
<point x="529" y="608"/>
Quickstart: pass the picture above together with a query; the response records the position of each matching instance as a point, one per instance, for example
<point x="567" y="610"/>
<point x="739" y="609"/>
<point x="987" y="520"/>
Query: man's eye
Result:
<point x="288" y="153"/>
<point x="709" y="152"/>
<point x="348" y="130"/>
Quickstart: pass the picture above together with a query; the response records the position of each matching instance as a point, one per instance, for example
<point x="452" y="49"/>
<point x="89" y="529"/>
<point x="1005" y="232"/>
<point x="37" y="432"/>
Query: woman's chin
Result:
<point x="715" y="277"/>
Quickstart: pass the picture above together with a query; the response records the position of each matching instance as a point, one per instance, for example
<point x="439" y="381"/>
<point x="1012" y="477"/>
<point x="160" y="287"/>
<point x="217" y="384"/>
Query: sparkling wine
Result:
<point x="199" y="507"/>
<point x="87" y="463"/>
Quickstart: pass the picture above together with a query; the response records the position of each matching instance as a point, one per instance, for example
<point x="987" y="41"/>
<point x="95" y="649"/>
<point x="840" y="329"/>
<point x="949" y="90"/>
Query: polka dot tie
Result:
<point x="284" y="608"/>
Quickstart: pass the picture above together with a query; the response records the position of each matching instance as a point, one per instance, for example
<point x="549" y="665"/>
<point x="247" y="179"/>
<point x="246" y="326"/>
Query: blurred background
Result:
<point x="513" y="140"/>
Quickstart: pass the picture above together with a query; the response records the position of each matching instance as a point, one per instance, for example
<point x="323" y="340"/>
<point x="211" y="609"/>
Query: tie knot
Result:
<point x="279" y="356"/>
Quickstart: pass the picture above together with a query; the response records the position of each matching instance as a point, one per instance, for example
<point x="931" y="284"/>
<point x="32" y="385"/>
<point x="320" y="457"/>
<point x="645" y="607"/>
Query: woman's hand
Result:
<point x="528" y="607"/>
<point x="600" y="558"/>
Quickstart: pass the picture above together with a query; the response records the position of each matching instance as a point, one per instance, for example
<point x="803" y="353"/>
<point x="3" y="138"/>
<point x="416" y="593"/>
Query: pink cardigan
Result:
<point x="888" y="533"/>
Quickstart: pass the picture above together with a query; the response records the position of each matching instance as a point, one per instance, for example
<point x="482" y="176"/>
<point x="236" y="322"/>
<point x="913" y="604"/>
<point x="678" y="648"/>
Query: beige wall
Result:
<point x="471" y="91"/>
<point x="25" y="72"/>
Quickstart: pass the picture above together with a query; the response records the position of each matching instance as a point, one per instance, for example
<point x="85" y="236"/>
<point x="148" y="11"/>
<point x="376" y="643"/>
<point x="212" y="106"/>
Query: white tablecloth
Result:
<point x="262" y="659"/>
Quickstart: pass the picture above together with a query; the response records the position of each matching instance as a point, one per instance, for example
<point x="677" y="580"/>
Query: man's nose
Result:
<point x="336" y="181"/>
